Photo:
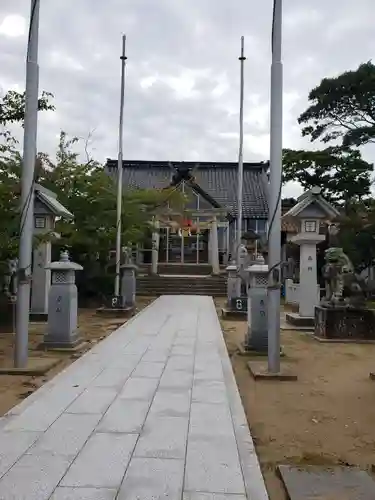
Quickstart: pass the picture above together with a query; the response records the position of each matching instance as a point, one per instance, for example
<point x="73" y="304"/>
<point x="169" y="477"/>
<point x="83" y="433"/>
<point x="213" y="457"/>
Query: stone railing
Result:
<point x="292" y="292"/>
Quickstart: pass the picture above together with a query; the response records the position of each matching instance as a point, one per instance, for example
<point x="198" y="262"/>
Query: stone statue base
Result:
<point x="7" y="310"/>
<point x="344" y="323"/>
<point x="299" y="321"/>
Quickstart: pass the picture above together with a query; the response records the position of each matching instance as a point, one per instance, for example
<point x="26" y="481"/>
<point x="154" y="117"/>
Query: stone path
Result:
<point x="151" y="412"/>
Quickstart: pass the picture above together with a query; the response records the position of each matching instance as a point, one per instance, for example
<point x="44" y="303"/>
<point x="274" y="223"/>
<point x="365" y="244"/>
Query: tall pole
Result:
<point x="27" y="191"/>
<point x="119" y="170"/>
<point x="242" y="59"/>
<point x="274" y="193"/>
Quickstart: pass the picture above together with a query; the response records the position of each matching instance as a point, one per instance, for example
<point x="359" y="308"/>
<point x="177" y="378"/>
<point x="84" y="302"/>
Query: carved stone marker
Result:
<point x="128" y="285"/>
<point x="62" y="328"/>
<point x="256" y="338"/>
<point x="231" y="283"/>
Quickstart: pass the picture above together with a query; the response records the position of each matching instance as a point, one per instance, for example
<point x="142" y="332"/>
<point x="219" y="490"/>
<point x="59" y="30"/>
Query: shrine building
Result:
<point x="204" y="234"/>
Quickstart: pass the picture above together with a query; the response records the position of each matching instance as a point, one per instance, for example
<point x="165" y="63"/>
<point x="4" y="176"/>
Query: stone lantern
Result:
<point x="256" y="338"/>
<point x="46" y="209"/>
<point x="310" y="211"/>
<point x="62" y="328"/>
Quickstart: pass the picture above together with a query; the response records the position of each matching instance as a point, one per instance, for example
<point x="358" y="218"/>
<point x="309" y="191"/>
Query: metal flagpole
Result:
<point x="274" y="198"/>
<point x="242" y="59"/>
<point x="27" y="191"/>
<point x="119" y="170"/>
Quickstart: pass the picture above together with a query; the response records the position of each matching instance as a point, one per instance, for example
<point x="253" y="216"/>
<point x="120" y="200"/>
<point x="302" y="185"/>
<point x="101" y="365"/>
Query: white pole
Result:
<point x="274" y="201"/>
<point x="242" y="59"/>
<point x="27" y="191"/>
<point x="119" y="170"/>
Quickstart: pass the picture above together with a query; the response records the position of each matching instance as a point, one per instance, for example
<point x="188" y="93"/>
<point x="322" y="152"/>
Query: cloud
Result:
<point x="13" y="26"/>
<point x="182" y="74"/>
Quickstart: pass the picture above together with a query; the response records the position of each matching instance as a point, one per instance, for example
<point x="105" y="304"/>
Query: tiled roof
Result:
<point x="218" y="180"/>
<point x="50" y="201"/>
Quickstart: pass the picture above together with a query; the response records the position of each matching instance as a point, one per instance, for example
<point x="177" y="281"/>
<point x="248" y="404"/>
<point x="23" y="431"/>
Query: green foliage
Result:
<point x="9" y="196"/>
<point x="343" y="108"/>
<point x="341" y="172"/>
<point x="83" y="188"/>
<point x="12" y="109"/>
<point x="357" y="235"/>
<point x="12" y="106"/>
<point x="86" y="191"/>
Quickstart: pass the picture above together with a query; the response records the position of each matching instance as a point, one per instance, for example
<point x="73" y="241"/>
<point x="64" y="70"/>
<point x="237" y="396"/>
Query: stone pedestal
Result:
<point x="256" y="338"/>
<point x="155" y="248"/>
<point x="41" y="282"/>
<point x="232" y="311"/>
<point x="62" y="328"/>
<point x="214" y="247"/>
<point x="231" y="283"/>
<point x="257" y="330"/>
<point x="308" y="298"/>
<point x="243" y="263"/>
<point x="128" y="285"/>
<point x="7" y="315"/>
<point x="344" y="324"/>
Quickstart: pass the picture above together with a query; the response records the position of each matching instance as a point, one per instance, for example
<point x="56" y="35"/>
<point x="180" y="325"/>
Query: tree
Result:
<point x="12" y="109"/>
<point x="12" y="106"/>
<point x="90" y="194"/>
<point x="84" y="188"/>
<point x="343" y="108"/>
<point x="357" y="235"/>
<point x="343" y="175"/>
<point x="9" y="199"/>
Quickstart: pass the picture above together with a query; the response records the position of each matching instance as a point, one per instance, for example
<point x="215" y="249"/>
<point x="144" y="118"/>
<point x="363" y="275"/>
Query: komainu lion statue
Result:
<point x="344" y="288"/>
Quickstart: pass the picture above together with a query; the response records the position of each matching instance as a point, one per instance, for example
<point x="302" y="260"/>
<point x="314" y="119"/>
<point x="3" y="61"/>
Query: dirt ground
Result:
<point x="93" y="328"/>
<point x="325" y="418"/>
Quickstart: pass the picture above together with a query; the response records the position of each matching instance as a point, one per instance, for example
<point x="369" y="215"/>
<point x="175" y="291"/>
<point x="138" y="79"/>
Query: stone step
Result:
<point x="183" y="281"/>
<point x="180" y="269"/>
<point x="177" y="289"/>
<point x="158" y="293"/>
<point x="182" y="285"/>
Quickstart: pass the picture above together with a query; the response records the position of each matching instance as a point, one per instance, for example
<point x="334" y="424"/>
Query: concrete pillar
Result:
<point x="128" y="285"/>
<point x="155" y="247"/>
<point x="41" y="276"/>
<point x="214" y="247"/>
<point x="62" y="328"/>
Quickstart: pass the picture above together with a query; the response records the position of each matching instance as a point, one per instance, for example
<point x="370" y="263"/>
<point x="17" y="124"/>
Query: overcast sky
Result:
<point x="182" y="81"/>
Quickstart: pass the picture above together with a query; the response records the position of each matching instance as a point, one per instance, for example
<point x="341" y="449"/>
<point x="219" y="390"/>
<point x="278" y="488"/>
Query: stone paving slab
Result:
<point x="151" y="412"/>
<point x="319" y="482"/>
